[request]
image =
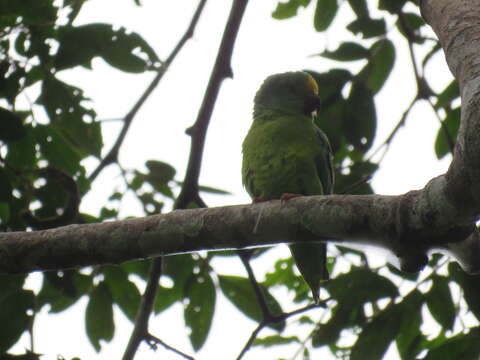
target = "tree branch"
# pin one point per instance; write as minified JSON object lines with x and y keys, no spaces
{"x":408,"y":225}
{"x":140,"y":330}
{"x":189,"y":192}
{"x":221,"y":70}
{"x":112,"y":155}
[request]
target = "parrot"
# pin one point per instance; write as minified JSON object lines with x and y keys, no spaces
{"x":286,"y":155}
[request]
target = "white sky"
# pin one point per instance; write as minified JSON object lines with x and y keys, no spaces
{"x":264,"y":46}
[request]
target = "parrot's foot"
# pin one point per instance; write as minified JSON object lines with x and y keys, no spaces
{"x":288,"y":196}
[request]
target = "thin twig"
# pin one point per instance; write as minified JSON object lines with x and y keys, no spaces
{"x":363,"y":180}
{"x":112,"y":155}
{"x":153,"y":341}
{"x":397,"y":127}
{"x":251,"y":339}
{"x":221,"y":70}
{"x":140,"y":330}
{"x":262,"y":302}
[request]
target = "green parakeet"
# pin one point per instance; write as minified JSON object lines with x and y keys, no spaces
{"x":284,"y":154}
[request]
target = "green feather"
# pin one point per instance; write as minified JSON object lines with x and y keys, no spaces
{"x":284,"y":152}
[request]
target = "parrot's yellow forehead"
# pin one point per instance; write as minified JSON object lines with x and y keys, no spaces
{"x":312,"y":84}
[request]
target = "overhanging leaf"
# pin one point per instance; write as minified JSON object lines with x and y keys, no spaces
{"x":440,"y":303}
{"x":360,"y":121}
{"x":11,"y":126}
{"x":199,"y":311}
{"x":240,"y":293}
{"x":126,"y":51}
{"x":99,"y":316}
{"x":377,"y":335}
{"x":13,"y":317}
{"x":382,"y":59}
{"x":124,"y":292}
{"x":368,"y":27}
{"x":324,"y":14}
{"x":462,"y":346}
{"x":347,"y":51}
{"x":285,"y":10}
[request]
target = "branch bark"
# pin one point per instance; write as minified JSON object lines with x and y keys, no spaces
{"x":406,"y":225}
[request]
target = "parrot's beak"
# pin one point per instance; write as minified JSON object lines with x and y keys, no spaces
{"x":312,"y":105}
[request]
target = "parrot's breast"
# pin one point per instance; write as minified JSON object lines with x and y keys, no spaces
{"x":279,"y":157}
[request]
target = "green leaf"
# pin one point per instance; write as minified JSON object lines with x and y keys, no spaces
{"x":62,"y":295}
{"x":99,"y":316}
{"x":412,"y":21}
{"x":179,"y":269}
{"x":382,"y":59}
{"x":324,"y":14}
{"x":125,"y":51}
{"x":347,"y":51}
{"x":284,"y":274}
{"x":451,"y":124}
{"x":469,"y":285}
{"x":65,"y":108}
{"x":346,"y":314}
{"x":285,"y":10}
{"x":409,"y":337}
{"x":368,"y":27}
{"x":10,"y":284}
{"x":21,"y":153}
{"x":446,"y":97}
{"x":11,"y":126}
{"x":124,"y":292}
{"x":4,"y":212}
{"x":273,"y":340}
{"x":360,"y":8}
{"x":376,"y":336}
{"x":14,"y":317}
{"x":367,"y":286}
{"x":241,"y":294}
{"x":5,"y":186}
{"x":462,"y":346}
{"x":137,"y":267}
{"x":160,"y":171}
{"x":59,"y":152}
{"x":198,"y":313}
{"x":360,"y":121}
{"x":392,"y":6}
{"x":440,"y":303}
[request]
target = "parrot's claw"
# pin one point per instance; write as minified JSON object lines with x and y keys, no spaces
{"x":288,"y":196}
{"x":259,"y":199}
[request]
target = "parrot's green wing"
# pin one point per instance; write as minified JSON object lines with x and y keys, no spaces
{"x":311,"y":258}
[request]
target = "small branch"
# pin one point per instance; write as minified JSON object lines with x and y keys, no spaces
{"x":266,"y":314}
{"x":251,"y":339}
{"x":140,"y":330}
{"x":275,"y":319}
{"x":189,"y":191}
{"x":112,"y":155}
{"x":392,"y":134}
{"x":153,"y":341}
{"x":221,"y":70}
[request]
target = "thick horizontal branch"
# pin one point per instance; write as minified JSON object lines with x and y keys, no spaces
{"x":385,"y":221}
